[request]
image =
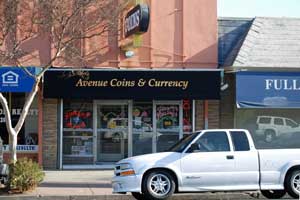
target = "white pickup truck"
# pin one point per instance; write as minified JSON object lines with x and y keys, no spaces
{"x":210,"y":160}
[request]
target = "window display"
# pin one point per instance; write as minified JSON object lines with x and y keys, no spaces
{"x":167,"y":124}
{"x":187,"y":116}
{"x":77,"y":132}
{"x":29,"y":132}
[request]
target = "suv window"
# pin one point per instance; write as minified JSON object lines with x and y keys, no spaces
{"x":213,"y":142}
{"x":278,"y":121}
{"x":264,"y":120}
{"x":240,"y":141}
{"x":291,"y":123}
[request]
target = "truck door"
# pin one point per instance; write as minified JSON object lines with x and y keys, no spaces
{"x":246,"y":173}
{"x":211,"y":165}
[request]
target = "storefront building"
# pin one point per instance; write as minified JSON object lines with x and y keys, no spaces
{"x":115,"y":114}
{"x":130,"y":102}
{"x":263,"y":83}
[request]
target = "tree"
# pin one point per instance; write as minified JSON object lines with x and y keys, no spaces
{"x":61,"y":24}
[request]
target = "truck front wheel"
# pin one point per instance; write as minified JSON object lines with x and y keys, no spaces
{"x":273,"y":194}
{"x":158,"y":185}
{"x":292,"y":183}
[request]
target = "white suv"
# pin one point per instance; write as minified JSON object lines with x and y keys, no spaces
{"x":273,"y":126}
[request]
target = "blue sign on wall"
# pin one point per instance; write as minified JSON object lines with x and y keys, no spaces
{"x":14,"y":79}
{"x":268,"y":89}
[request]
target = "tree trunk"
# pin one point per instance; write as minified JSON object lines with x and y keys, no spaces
{"x":13,"y":147}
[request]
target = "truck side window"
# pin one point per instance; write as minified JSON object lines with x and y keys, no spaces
{"x":240,"y":141}
{"x":213,"y":142}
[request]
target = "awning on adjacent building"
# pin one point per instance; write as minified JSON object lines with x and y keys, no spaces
{"x":133,"y":84}
{"x":268,"y":89}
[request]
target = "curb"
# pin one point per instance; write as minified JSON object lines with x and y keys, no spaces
{"x":201,"y":196}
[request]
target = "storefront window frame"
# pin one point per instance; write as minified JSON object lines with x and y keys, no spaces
{"x":95,"y":102}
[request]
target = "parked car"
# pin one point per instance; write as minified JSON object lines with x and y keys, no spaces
{"x":210,"y":160}
{"x":271,"y":127}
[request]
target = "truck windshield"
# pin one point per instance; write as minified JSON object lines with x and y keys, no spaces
{"x":183,"y":143}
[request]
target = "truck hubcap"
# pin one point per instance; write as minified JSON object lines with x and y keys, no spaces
{"x":296,"y":182}
{"x":160,"y":184}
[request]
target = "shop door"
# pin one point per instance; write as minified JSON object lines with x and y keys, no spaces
{"x":168,"y":124}
{"x":142,"y":128}
{"x":112,"y":131}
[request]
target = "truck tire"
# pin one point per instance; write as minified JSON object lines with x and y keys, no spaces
{"x":269,"y":135}
{"x":158,"y":185}
{"x":292,"y":183}
{"x":273,"y":194}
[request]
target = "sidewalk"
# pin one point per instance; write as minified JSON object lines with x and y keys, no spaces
{"x":96,"y":185}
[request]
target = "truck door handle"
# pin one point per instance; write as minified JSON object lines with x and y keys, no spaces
{"x":230,"y":157}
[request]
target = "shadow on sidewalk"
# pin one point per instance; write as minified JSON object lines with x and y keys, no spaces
{"x":76,"y":185}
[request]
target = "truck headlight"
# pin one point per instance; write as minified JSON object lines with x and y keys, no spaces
{"x":126,"y":169}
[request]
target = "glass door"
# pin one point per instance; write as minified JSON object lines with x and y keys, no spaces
{"x":112,"y":132}
{"x":168,"y":125}
{"x":142,"y":128}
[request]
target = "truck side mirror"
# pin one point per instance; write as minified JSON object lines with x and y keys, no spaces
{"x":194,"y":148}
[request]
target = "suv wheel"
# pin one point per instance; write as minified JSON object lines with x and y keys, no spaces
{"x":158,"y":185}
{"x":269,"y":135}
{"x":292,"y":183}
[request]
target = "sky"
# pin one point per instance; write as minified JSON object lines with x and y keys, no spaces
{"x":262,"y":8}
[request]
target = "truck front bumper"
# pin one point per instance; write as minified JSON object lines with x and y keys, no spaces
{"x":123,"y":184}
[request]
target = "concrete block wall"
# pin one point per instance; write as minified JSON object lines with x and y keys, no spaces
{"x":50,"y":123}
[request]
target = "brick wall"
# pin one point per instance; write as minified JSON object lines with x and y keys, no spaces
{"x":33,"y":156}
{"x":228,"y":103}
{"x":213,"y":114}
{"x":199,"y":112}
{"x":50,"y":129}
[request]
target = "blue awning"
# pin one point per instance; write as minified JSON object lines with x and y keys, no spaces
{"x":268,"y":89}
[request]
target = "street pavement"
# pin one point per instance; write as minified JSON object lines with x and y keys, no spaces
{"x":96,"y":185}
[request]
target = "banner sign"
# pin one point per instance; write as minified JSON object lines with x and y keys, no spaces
{"x":137,"y":20}
{"x":23,"y":148}
{"x":14,"y":79}
{"x":268,"y":89}
{"x":129,"y":84}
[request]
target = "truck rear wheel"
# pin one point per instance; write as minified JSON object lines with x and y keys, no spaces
{"x":273,"y":194}
{"x":292,"y":183}
{"x":158,"y":185}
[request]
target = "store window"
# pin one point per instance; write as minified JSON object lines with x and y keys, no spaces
{"x":77,"y":132}
{"x":271,"y":128}
{"x":29,"y":132}
{"x":142,"y":126}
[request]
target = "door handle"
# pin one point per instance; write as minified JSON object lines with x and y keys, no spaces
{"x":230,"y":157}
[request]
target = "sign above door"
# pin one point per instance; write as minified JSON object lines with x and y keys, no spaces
{"x":133,"y":84}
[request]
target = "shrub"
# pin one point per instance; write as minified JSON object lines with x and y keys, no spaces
{"x":25,"y":175}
